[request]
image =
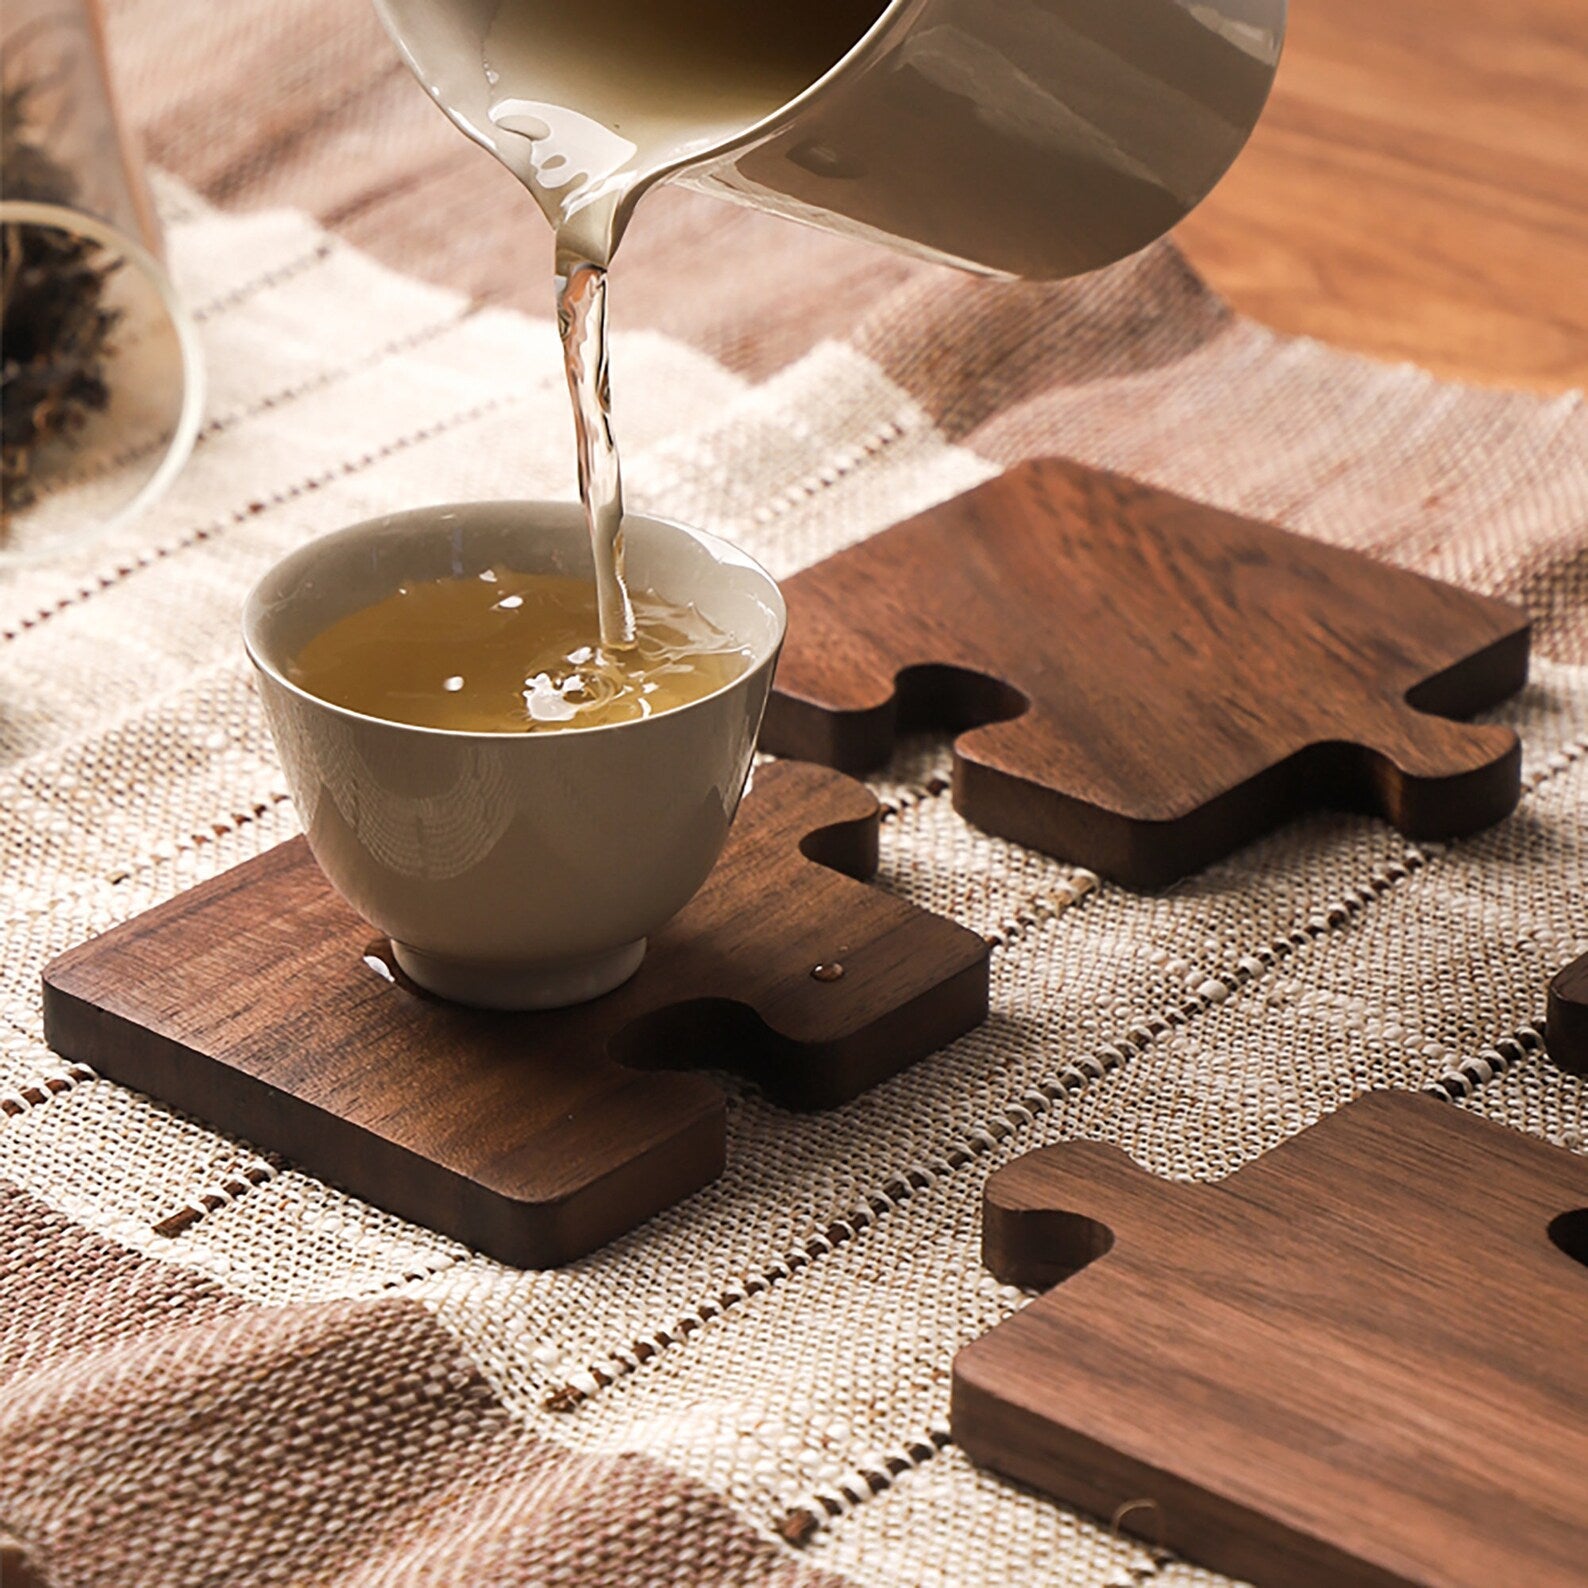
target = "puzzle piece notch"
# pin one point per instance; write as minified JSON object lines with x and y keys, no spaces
{"x":1356,"y":1363}
{"x":1141,"y":683}
{"x":250,"y":1002}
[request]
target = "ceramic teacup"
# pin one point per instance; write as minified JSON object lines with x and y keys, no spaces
{"x":513,"y":871}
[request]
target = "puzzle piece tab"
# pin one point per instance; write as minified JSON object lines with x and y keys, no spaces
{"x":1566,"y":1024}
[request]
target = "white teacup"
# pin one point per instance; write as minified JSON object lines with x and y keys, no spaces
{"x":513,"y":871}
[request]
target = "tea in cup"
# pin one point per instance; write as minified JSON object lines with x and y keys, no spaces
{"x":517,"y":809}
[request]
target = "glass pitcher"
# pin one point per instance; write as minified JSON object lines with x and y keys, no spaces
{"x":1034,"y":138}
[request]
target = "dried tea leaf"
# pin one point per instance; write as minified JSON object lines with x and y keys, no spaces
{"x":55,"y":326}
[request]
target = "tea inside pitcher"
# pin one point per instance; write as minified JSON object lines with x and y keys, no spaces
{"x":607,"y":96}
{"x":594,"y":103}
{"x":510,"y":652}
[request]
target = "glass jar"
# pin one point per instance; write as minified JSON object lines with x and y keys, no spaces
{"x":103,"y":380}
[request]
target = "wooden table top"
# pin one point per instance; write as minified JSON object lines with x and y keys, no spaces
{"x":1418,"y":188}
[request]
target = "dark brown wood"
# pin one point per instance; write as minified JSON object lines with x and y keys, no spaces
{"x":1142,"y":683}
{"x":1357,"y":1363}
{"x":258,"y":1002}
{"x":1566,"y":1021}
{"x":16,"y":1571}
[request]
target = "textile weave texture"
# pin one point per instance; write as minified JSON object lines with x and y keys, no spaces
{"x":218,"y":1369}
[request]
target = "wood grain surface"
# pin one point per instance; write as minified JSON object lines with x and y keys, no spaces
{"x":1418,"y":188}
{"x":257,"y":1002}
{"x":1144,"y":682}
{"x":1357,"y":1363}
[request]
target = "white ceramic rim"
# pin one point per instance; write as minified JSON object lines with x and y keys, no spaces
{"x":185,"y":432}
{"x":722,"y":551}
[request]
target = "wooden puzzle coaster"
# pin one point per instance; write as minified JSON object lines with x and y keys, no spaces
{"x":1142,"y":684}
{"x":258,"y":1002}
{"x":1566,"y":1020}
{"x":16,"y":1570}
{"x":1356,"y":1363}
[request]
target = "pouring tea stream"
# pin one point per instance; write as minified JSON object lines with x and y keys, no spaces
{"x":1040,"y":138}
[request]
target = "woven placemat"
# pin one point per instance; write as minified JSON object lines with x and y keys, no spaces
{"x":217,"y":1368}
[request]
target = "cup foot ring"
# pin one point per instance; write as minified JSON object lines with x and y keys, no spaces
{"x":553,"y":985}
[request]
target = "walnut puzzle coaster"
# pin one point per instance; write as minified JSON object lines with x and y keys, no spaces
{"x":1355,"y":1363}
{"x":1566,"y":1018}
{"x":1140,"y":683}
{"x":258,"y":1002}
